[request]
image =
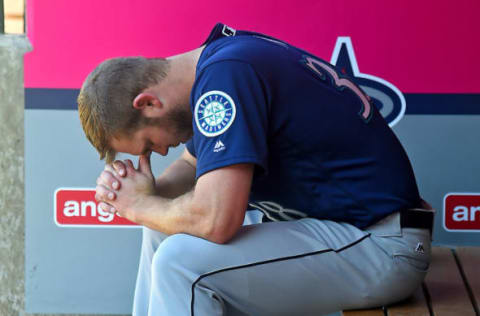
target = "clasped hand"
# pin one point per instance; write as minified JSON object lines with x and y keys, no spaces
{"x":122,"y":188}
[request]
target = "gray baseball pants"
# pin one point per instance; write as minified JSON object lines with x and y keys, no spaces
{"x":303,"y":267}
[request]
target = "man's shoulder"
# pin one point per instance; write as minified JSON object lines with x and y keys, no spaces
{"x":251,"y":50}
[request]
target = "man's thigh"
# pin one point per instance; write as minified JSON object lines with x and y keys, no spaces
{"x":306,"y":267}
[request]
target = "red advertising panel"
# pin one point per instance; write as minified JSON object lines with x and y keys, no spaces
{"x":462,"y":212}
{"x":76,"y":207}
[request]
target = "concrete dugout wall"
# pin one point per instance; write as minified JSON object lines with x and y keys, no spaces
{"x":12,"y":49}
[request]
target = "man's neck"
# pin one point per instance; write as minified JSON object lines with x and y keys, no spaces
{"x":177,"y":85}
{"x":183,"y":67}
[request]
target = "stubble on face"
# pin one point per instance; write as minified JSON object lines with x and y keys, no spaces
{"x":176,"y":125}
{"x":179,"y":120}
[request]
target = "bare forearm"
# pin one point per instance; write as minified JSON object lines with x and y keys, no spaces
{"x":176,"y":180}
{"x":173,"y":216}
{"x":212,"y":209}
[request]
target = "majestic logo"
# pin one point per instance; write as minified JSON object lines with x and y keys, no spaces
{"x":214,"y":113}
{"x":384,"y":95}
{"x":461,"y":212}
{"x":419,"y":248}
{"x":219,"y":146}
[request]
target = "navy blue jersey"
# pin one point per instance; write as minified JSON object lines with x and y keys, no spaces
{"x":319,"y":146}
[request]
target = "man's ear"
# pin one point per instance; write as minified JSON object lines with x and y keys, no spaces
{"x":144,"y":100}
{"x":147,"y":103}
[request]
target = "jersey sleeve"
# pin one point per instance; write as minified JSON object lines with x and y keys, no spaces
{"x":229,"y":117}
{"x":191,"y":148}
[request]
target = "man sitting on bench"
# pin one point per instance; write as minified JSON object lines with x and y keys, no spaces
{"x":271,"y":127}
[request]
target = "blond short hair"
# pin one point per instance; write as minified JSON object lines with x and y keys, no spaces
{"x":106,"y":98}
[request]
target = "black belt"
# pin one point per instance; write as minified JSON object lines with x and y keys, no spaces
{"x":417,"y":218}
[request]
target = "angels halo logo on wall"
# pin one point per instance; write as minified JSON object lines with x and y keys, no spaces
{"x":214,"y":113}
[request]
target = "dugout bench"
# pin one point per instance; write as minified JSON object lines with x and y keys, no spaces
{"x":451,"y":287}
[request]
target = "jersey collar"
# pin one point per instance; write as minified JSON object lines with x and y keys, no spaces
{"x":219,"y":31}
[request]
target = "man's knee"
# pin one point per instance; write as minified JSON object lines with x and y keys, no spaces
{"x":152,"y":238}
{"x":177,"y":253}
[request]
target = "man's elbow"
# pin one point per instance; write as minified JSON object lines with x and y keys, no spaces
{"x":220,"y":236}
{"x":222,"y":232}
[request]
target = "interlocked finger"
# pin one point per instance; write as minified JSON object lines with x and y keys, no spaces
{"x":102,"y":193}
{"x":108,"y":179}
{"x":107,"y":208}
{"x":119,"y":167}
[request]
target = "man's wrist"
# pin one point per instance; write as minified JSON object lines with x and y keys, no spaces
{"x":146,"y":207}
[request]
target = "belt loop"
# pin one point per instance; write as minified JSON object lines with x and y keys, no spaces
{"x":387,"y":227}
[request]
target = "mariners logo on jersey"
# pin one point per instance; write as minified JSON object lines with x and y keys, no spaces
{"x":214,"y":113}
{"x":385,"y":96}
